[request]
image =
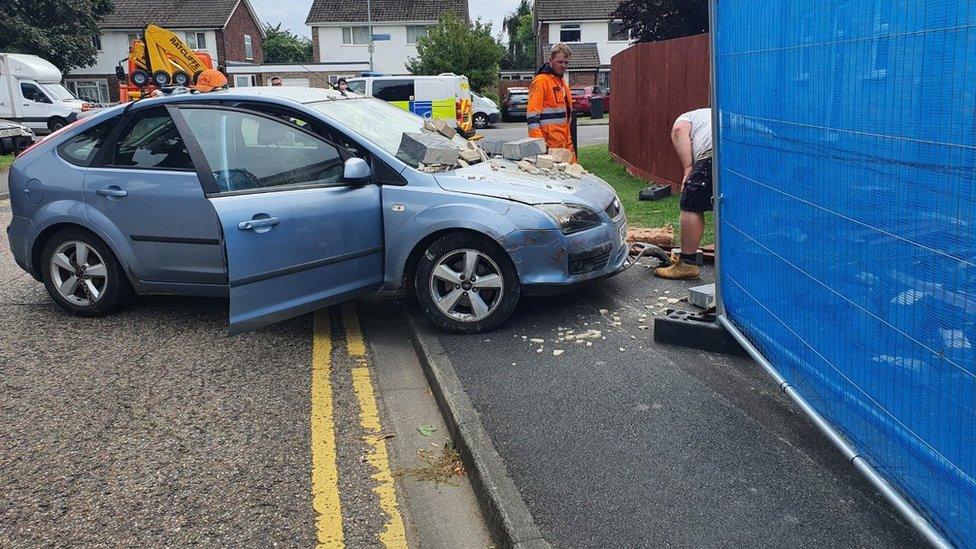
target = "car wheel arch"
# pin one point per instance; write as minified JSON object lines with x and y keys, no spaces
{"x":413,"y":259}
{"x":49,"y":231}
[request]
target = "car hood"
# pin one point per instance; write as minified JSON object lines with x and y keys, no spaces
{"x":510,"y":183}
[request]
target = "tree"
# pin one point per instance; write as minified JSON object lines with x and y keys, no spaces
{"x":456,"y":46}
{"x":281,"y":46}
{"x":57,"y":30}
{"x":521,"y":38}
{"x":654,"y":20}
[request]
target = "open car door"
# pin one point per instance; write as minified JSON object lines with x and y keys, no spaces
{"x":298,"y":234}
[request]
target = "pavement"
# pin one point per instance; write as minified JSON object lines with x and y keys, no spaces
{"x":627,"y":443}
{"x":152,"y":427}
{"x":588,"y":134}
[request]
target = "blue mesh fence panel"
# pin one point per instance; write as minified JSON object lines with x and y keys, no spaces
{"x":848,"y":248}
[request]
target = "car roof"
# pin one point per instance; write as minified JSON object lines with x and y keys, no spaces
{"x":286,"y":93}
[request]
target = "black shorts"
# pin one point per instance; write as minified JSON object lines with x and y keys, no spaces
{"x":697,"y":196}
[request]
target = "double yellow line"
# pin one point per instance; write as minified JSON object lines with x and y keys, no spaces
{"x":325,"y":473}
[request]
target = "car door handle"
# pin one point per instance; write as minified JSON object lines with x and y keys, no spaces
{"x":113,"y":191}
{"x":251,"y":224}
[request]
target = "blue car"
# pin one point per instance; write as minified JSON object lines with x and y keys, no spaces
{"x":287,"y":200}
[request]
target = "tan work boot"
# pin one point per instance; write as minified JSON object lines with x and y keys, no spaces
{"x":680,"y":270}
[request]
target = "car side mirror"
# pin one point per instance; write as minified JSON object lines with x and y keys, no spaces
{"x":355,"y":170}
{"x":120,"y":73}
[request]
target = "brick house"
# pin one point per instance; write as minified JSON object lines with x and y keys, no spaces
{"x":340,"y":30}
{"x":588,"y":29}
{"x":229,"y":30}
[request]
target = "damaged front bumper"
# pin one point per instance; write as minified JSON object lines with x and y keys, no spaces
{"x":551,"y":263}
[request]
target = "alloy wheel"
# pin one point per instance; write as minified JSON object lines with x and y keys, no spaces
{"x":467,"y":285}
{"x":79,"y":273}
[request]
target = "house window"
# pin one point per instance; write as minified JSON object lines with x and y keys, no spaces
{"x":97,"y":42}
{"x":355,"y":36}
{"x":243,"y":80}
{"x":414,"y":32}
{"x":617,"y":31}
{"x":570,"y":32}
{"x":93,"y":91}
{"x":131,"y":37}
{"x":248,"y":50}
{"x":198,"y":40}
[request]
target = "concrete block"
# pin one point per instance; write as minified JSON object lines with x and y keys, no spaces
{"x":697,"y":332}
{"x":444,"y":128}
{"x":469,"y":155}
{"x":459,"y":142}
{"x":530,"y":146}
{"x":428,"y":148}
{"x":561,"y":155}
{"x":702,"y":296}
{"x":527,"y":166}
{"x":575,"y":170}
{"x":545,"y":161}
{"x":492,"y":146}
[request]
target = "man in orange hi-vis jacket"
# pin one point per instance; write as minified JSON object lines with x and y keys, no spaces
{"x":550,"y":109}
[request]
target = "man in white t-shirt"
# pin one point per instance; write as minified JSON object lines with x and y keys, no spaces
{"x":692,"y":138}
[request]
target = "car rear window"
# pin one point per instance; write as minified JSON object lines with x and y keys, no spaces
{"x":82,"y":148}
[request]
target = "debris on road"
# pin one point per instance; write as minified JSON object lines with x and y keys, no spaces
{"x":557,"y":352}
{"x":426,"y":430}
{"x":444,"y":467}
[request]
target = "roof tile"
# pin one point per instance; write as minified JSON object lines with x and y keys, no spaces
{"x":354,"y":11}
{"x":201,"y":14}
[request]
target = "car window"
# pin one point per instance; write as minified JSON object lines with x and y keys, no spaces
{"x":151,"y":141}
{"x":248,"y":151}
{"x":33,"y":93}
{"x":372,"y":120}
{"x":357,"y":86}
{"x":393,"y":90}
{"x":81,"y":149}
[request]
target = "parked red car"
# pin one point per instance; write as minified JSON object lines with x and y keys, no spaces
{"x":581,"y":98}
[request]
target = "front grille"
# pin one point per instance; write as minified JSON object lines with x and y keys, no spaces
{"x":589,"y":260}
{"x":613,"y":210}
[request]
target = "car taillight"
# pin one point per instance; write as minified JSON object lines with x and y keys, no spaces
{"x":49,"y":136}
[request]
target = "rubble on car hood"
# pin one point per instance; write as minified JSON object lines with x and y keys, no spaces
{"x":501,"y":178}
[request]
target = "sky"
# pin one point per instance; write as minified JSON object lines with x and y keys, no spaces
{"x":292,"y":13}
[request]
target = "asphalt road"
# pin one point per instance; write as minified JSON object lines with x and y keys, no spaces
{"x":152,"y":427}
{"x":626,"y":443}
{"x":588,"y":135}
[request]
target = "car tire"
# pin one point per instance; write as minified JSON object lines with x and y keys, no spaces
{"x":481,"y":120}
{"x":55,"y":123}
{"x":471,"y":306}
{"x":105,"y":274}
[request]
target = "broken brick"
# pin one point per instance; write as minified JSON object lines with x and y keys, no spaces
{"x":530,"y":146}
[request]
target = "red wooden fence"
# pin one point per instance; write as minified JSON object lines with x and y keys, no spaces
{"x":652,"y":84}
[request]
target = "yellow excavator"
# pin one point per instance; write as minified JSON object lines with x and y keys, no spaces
{"x":160,"y":59}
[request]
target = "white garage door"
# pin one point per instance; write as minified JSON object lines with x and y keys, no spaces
{"x":300,"y":82}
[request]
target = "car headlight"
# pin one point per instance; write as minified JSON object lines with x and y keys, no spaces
{"x":571,"y":218}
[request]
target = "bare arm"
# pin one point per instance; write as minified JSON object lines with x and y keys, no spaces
{"x":681,"y":137}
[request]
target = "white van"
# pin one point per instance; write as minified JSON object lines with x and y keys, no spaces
{"x":31,"y":93}
{"x":485,"y":110}
{"x":446,"y":96}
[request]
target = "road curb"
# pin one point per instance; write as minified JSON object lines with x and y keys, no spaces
{"x":506,"y":514}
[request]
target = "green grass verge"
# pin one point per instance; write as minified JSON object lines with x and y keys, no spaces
{"x":5,"y":161}
{"x":650,"y":213}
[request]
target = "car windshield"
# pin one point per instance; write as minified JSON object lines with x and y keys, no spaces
{"x":376,"y":121}
{"x":59,"y":92}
